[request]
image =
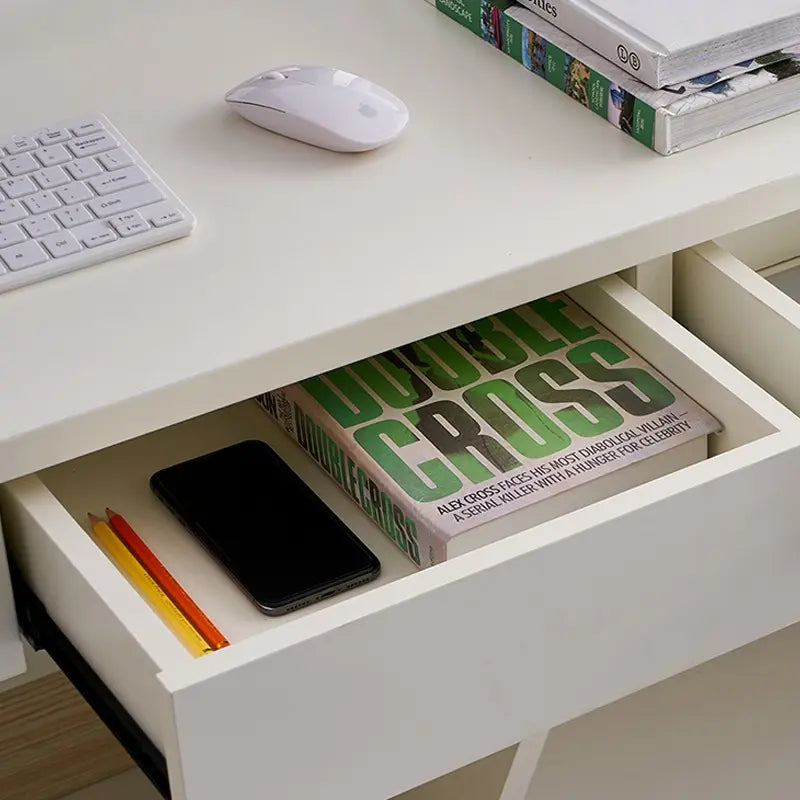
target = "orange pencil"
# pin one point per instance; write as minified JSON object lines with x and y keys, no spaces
{"x":147,"y":586}
{"x":161,"y":575}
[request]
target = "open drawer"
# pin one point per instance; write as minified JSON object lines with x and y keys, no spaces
{"x":381,"y":689}
{"x":742,"y":315}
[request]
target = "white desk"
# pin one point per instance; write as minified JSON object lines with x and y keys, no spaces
{"x":304,"y":259}
{"x":502,"y":190}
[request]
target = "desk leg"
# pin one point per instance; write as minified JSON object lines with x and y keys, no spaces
{"x":518,"y":785}
{"x":654,"y":280}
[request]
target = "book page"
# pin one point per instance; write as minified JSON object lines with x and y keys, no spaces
{"x":680,"y":24}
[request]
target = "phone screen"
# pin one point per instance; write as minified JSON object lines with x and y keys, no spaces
{"x":275,"y":537}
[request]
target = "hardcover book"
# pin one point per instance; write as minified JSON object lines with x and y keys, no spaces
{"x":464,"y":437}
{"x":667,"y":120}
{"x":667,"y":42}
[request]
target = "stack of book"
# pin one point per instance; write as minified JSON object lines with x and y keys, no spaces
{"x":672,"y":75}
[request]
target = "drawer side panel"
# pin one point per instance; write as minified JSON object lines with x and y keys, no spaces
{"x":12,"y":660}
{"x":742,"y":316}
{"x":92,"y":604}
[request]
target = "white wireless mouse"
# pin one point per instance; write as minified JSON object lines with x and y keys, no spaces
{"x":323,"y":106}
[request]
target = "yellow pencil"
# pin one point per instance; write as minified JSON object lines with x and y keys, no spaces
{"x":141,"y":579}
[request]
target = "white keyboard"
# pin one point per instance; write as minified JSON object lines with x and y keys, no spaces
{"x":76,"y":193}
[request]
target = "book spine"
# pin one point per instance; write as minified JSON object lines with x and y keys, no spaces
{"x":638,"y":58}
{"x":590,"y":88}
{"x":334,"y":455}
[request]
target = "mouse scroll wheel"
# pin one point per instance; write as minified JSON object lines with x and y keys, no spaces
{"x":274,"y":76}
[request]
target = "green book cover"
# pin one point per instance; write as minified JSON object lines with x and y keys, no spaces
{"x":560,"y":60}
{"x":480,"y":16}
{"x":442,"y":435}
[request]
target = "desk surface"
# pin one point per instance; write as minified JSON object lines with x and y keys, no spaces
{"x":501,"y":190}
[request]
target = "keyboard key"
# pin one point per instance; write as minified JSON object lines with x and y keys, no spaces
{"x":83,"y":168}
{"x":96,"y":239}
{"x":75,"y":192}
{"x":166,"y":218}
{"x":19,"y":165}
{"x":70,"y":217}
{"x":19,"y":144}
{"x":129,"y":224}
{"x":114,"y":159}
{"x":132,"y":228}
{"x":110,"y":182}
{"x":40,"y":226}
{"x":11,"y":211}
{"x":18,"y":187}
{"x":62,"y":243}
{"x":91,"y":144}
{"x":125,"y":200}
{"x":53,"y":135}
{"x":24,"y":255}
{"x":51,"y":177}
{"x":41,"y":202}
{"x":11,"y":234}
{"x":89,"y":126}
{"x":52,"y":155}
{"x":124,"y":219}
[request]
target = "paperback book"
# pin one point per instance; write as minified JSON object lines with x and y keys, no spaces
{"x":464,"y":437}
{"x":667,"y":120}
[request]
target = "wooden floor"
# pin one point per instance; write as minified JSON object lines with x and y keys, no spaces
{"x":131,"y":785}
{"x":51,"y":742}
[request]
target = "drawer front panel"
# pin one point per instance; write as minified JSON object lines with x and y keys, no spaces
{"x":430,"y":684}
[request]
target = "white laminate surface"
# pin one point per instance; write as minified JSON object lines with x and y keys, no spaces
{"x":727,"y":730}
{"x":501,"y":189}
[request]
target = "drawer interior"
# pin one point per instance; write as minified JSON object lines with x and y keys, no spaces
{"x":118,"y":476}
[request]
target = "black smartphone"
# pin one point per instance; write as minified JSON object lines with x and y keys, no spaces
{"x":283,"y":546}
